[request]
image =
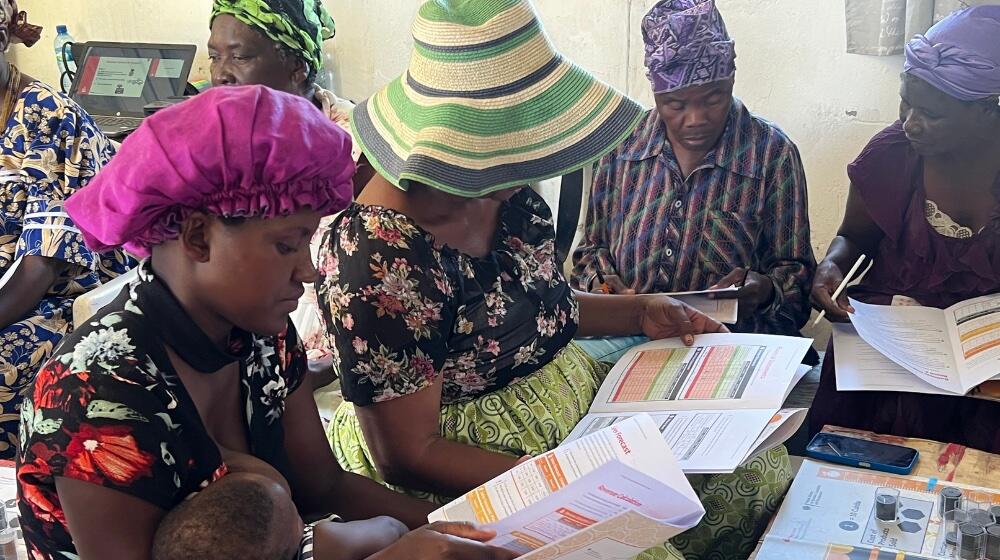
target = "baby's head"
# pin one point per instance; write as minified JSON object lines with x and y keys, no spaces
{"x":243,"y":515}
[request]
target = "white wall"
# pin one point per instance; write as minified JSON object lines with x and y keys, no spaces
{"x":149,"y":21}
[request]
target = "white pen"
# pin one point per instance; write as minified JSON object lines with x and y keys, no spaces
{"x":840,"y":288}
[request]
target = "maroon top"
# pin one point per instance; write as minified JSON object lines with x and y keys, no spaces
{"x":914,"y":260}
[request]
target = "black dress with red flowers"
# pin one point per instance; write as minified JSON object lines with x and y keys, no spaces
{"x":108,"y":408}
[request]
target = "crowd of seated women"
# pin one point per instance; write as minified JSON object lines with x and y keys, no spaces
{"x":277,"y":231}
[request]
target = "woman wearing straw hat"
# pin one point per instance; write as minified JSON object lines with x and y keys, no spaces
{"x":439,"y":288}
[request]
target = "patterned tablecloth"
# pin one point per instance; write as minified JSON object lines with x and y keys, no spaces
{"x":945,"y":461}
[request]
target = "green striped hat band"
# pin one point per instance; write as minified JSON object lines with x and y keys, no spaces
{"x":487,"y":104}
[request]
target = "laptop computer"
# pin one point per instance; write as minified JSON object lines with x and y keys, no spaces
{"x":114,"y":81}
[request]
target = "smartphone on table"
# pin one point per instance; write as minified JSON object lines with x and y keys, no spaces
{"x":862,"y":453}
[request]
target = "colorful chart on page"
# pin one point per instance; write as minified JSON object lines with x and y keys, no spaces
{"x":695,"y":373}
{"x":978,"y":327}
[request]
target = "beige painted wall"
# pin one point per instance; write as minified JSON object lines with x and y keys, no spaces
{"x":171,"y":21}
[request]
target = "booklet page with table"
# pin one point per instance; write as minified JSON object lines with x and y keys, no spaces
{"x":953,"y":349}
{"x":717,"y":403}
{"x":607,"y":496}
{"x":860,"y":367}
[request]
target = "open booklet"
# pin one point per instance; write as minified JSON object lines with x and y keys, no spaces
{"x":717,"y":403}
{"x":829,"y":513}
{"x":608,"y":496}
{"x":860,"y":367}
{"x":953,"y":349}
{"x":723,"y":310}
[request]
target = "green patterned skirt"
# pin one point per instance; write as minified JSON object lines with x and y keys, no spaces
{"x":535,"y":414}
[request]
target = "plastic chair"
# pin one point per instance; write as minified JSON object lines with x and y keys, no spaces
{"x":88,"y":304}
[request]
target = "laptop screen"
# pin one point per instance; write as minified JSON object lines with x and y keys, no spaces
{"x":120,"y":79}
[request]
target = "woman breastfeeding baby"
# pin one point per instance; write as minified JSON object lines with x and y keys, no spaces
{"x":176,"y":422}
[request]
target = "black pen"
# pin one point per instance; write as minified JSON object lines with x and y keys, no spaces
{"x":746,"y":274}
{"x":604,"y":285}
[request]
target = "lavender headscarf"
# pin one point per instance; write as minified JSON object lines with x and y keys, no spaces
{"x":686,"y":45}
{"x":960,"y":55}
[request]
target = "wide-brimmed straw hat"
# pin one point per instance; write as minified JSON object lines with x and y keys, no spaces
{"x":487,"y":104}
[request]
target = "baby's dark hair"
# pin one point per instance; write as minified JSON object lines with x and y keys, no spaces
{"x":234,"y":518}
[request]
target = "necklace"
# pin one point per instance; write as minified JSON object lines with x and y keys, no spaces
{"x":10,"y":94}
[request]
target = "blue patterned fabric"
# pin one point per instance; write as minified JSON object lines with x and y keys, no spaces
{"x":50,"y":149}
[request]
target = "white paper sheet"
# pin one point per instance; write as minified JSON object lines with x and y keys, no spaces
{"x":954,"y":349}
{"x":780,"y":427}
{"x":620,"y":481}
{"x":800,"y":372}
{"x":860,"y":367}
{"x":720,"y":372}
{"x":913,"y":337}
{"x":716,"y":403}
{"x":635,"y":442}
{"x":724,"y":310}
{"x":710,"y":441}
{"x":602,"y":495}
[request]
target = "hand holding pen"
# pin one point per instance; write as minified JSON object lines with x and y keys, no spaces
{"x":609,"y":284}
{"x":828,"y":290}
{"x":602,"y":283}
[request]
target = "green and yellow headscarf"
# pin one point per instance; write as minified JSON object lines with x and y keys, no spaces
{"x":300,"y":25}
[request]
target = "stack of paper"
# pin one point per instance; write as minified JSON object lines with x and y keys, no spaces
{"x":717,"y":403}
{"x":949,"y":351}
{"x":607,"y":496}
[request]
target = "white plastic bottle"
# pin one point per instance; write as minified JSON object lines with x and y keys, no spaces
{"x":62,"y":38}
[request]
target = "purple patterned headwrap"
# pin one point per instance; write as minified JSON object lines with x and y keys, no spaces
{"x":960,"y":55}
{"x":686,"y":45}
{"x":244,"y":151}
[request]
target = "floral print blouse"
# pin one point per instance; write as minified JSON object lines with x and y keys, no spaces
{"x":109,"y":409}
{"x":402,"y":310}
